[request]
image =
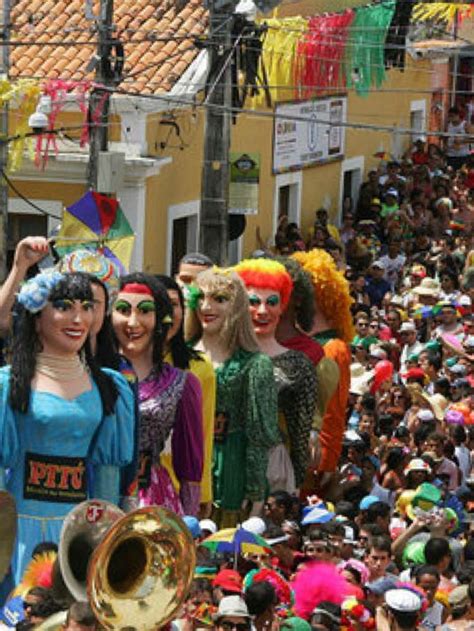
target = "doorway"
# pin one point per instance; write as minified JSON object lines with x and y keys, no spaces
{"x":417,"y":119}
{"x":287,"y":198}
{"x":352,"y":173}
{"x":182,"y":235}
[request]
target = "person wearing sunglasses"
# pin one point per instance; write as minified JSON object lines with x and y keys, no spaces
{"x":232,"y":615}
{"x":317,"y":547}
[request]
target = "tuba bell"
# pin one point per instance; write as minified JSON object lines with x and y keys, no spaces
{"x":140,"y":573}
{"x":82,"y":531}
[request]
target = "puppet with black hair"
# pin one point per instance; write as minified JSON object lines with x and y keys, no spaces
{"x":170,"y":429}
{"x":179,"y":354}
{"x":60,"y":413}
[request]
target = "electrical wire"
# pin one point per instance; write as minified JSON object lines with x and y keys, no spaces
{"x":287,"y":117}
{"x":25,"y":199}
{"x":79,"y":73}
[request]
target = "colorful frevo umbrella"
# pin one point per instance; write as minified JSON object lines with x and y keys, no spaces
{"x":97,"y":222}
{"x":236,"y":541}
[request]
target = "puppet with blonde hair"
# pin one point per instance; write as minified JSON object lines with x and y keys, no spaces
{"x":269,"y":288}
{"x":332,"y":327}
{"x":246,"y":428}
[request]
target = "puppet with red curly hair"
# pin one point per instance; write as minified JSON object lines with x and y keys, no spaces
{"x":333,"y":328}
{"x":269,"y":288}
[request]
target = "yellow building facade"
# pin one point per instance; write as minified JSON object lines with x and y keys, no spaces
{"x":161,"y":180}
{"x":173,"y":196}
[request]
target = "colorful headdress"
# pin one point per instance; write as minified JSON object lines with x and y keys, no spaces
{"x":38,"y":573}
{"x":283,"y":590}
{"x":316,"y":582}
{"x":331,"y":290}
{"x":266,"y":274}
{"x":356,"y":616}
{"x":35,"y":293}
{"x":204,"y":614}
{"x":358,"y":566}
{"x":94,"y":263}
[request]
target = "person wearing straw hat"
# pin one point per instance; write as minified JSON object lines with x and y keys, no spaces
{"x":232,"y":615}
{"x":427,"y":292}
{"x":360,"y":379}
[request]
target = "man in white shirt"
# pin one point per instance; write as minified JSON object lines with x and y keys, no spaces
{"x":410,"y":344}
{"x":462,"y":452}
{"x":394,"y":262}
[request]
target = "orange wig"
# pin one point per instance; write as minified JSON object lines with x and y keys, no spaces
{"x":266,"y":274}
{"x":331,"y":290}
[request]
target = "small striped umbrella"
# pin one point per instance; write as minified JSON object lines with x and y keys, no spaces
{"x":237,"y":541}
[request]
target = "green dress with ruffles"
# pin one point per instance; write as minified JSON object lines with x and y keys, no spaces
{"x":246,"y":428}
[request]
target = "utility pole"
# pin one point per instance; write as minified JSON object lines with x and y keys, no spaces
{"x":98,"y":131}
{"x":213,"y":224}
{"x":5,"y":62}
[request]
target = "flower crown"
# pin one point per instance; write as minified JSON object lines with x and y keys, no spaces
{"x":354,"y":612}
{"x":35,"y":293}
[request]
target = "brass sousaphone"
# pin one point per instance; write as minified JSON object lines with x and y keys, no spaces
{"x":140,"y":573}
{"x":82,"y":531}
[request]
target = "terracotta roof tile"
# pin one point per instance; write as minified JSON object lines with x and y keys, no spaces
{"x":60,"y":34}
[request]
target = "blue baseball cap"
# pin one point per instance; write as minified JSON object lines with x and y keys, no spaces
{"x":381,"y":585}
{"x":367,"y":501}
{"x":193,"y":526}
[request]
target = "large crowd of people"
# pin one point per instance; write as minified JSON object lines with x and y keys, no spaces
{"x":317,"y":398}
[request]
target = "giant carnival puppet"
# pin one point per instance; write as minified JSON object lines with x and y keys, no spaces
{"x":61,"y":415}
{"x":333,"y":329}
{"x":246,"y":426}
{"x":179,"y":354}
{"x":269,"y":288}
{"x":298,"y":316}
{"x":170,"y":431}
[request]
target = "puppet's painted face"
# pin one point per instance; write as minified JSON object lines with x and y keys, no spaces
{"x":214,"y":307}
{"x":134,"y":320}
{"x":64,"y":324}
{"x":265,"y":310}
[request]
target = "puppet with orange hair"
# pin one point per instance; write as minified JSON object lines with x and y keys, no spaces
{"x":269,"y":288}
{"x":333,"y":329}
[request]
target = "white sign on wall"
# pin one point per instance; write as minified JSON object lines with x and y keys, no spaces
{"x":310,"y":135}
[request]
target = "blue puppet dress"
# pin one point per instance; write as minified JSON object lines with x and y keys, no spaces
{"x":48,"y":450}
